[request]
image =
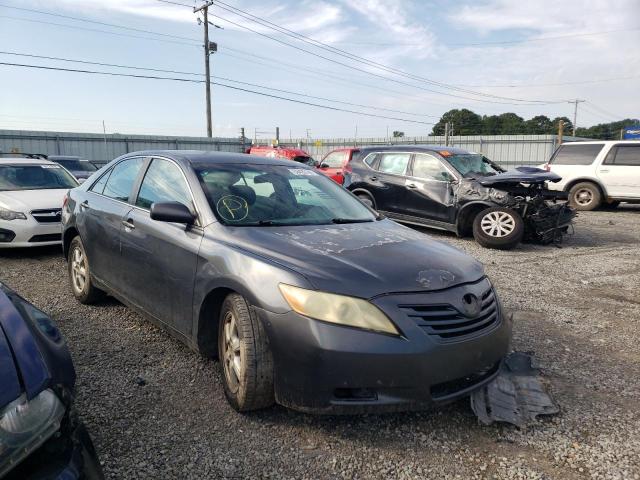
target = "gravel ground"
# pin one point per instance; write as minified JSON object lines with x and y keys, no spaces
{"x":577,"y":307}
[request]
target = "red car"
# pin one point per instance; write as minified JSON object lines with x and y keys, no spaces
{"x":295,"y":154}
{"x":336,"y":163}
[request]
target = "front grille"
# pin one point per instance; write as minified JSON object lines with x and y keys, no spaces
{"x":446,"y":322}
{"x":51,"y":215}
{"x":49,"y":237}
{"x":452,"y":387}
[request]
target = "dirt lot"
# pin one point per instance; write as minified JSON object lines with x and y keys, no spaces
{"x":576,"y":307}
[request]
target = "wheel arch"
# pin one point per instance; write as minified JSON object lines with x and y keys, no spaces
{"x":69,"y":234}
{"x":466,"y":215}
{"x":361,"y":191}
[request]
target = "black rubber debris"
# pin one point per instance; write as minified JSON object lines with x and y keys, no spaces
{"x":517,"y":395}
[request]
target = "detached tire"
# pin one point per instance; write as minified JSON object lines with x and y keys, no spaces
{"x":80,"y":274}
{"x":585,"y":196}
{"x":245,"y":356}
{"x":498,"y":227}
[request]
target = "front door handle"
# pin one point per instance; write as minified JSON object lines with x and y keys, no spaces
{"x":128,"y":224}
{"x":411,"y":185}
{"x":84,"y":205}
{"x":604,"y":171}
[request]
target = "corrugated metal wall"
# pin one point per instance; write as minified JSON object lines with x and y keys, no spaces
{"x":102,"y":148}
{"x":507,"y":150}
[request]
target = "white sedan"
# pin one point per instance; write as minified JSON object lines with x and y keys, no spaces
{"x":31,"y":196}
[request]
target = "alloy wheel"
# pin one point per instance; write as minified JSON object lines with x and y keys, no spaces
{"x":583,"y":197}
{"x":232,"y":356}
{"x":78,"y":270}
{"x":498,"y":224}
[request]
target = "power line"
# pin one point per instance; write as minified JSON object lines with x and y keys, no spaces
{"x":116,"y":65}
{"x":78,"y":19}
{"x":584,"y":82}
{"x":76,"y":27}
{"x":343,"y":53}
{"x":189,"y":80}
{"x":375,"y":74}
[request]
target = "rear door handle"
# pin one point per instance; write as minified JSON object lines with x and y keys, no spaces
{"x":84,"y":205}
{"x":128,"y":224}
{"x":604,"y":171}
{"x":411,"y":185}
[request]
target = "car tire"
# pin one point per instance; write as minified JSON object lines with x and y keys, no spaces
{"x":585,"y":196}
{"x":498,"y":227}
{"x":367,"y":200}
{"x":245,"y":356}
{"x":80,"y":279}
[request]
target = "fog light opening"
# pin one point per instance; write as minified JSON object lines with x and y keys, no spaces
{"x":355,"y":394}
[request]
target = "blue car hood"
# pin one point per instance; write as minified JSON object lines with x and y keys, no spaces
{"x":362,"y":259}
{"x":520,"y":175}
{"x":10,"y":388}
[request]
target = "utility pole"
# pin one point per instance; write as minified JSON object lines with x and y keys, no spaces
{"x":209,"y":47}
{"x":446,"y":134}
{"x":575,"y":113}
{"x":308,"y":130}
{"x":560,"y":131}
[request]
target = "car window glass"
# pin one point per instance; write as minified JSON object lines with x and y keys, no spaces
{"x":163,"y":182}
{"x":335,"y":159}
{"x":395,"y":163}
{"x":429,"y":168}
{"x":371,"y":159}
{"x":627,"y":155}
{"x":576,"y":154}
{"x":122,"y":178}
{"x":98,"y":187}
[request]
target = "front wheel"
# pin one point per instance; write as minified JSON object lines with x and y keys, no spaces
{"x":498,"y":227}
{"x":245,"y":356}
{"x":80,"y":274}
{"x":585,"y":196}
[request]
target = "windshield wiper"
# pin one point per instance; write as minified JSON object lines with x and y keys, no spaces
{"x":351,"y":220}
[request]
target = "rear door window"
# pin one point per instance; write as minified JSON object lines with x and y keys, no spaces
{"x":394,"y":163}
{"x":122,"y":178}
{"x":628,"y":155}
{"x":576,"y":154}
{"x":98,"y":187}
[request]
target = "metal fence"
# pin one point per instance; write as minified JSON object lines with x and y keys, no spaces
{"x":507,"y":150}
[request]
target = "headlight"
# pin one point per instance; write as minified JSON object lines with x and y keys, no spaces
{"x":27,"y":424}
{"x":10,"y":215}
{"x":328,"y":307}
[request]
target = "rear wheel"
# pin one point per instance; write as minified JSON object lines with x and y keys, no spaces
{"x":498,"y":227}
{"x":80,"y":274}
{"x":245,"y":356}
{"x":585,"y":196}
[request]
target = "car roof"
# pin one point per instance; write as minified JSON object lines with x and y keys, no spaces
{"x":600,"y":142}
{"x":412,"y":148}
{"x":199,"y":156}
{"x":24,"y":161}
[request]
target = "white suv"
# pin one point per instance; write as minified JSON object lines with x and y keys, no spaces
{"x":597,"y":173}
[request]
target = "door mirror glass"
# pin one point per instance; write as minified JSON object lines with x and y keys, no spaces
{"x":324,"y":165}
{"x":174,"y":212}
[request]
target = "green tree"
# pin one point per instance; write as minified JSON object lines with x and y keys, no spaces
{"x":398,"y":134}
{"x":511,"y":124}
{"x":538,"y":125}
{"x":606,"y":131}
{"x":464,"y":122}
{"x":568,"y":125}
{"x":491,"y":125}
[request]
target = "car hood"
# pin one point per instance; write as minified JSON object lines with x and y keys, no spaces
{"x":363,"y":259}
{"x":27,"y":200}
{"x":8,"y":373}
{"x":520,"y":175}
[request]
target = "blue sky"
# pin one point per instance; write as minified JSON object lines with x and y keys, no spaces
{"x":456,"y":44}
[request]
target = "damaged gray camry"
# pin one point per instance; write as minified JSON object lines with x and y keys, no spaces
{"x":308,"y":298}
{"x":452,"y":189}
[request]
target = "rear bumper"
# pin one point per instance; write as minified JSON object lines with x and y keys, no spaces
{"x":28,"y":233}
{"x":325,"y":368}
{"x":68,"y":455}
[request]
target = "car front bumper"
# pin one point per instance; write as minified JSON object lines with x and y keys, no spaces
{"x":326,"y":368}
{"x":29,"y":233}
{"x":69,"y":454}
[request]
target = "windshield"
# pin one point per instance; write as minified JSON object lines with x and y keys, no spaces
{"x":473,"y":165}
{"x":277,"y":195}
{"x":34,"y":177}
{"x":77,"y":165}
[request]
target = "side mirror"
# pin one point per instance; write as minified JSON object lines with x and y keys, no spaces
{"x":174,"y":212}
{"x":323,"y":165}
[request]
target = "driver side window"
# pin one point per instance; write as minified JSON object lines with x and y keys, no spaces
{"x":429,"y":168}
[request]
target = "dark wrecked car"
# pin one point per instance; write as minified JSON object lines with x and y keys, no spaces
{"x":307,"y":297}
{"x":452,"y":189}
{"x":39,"y":434}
